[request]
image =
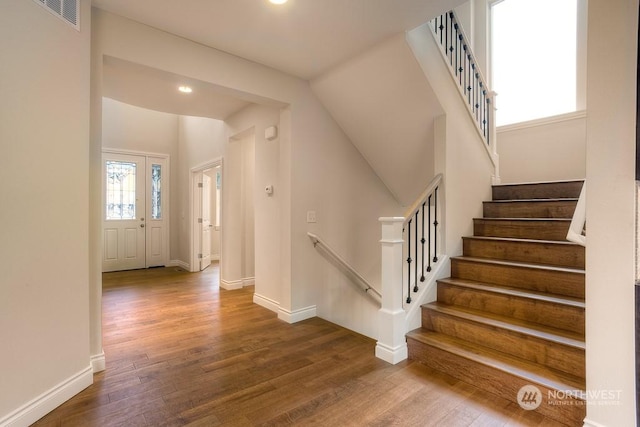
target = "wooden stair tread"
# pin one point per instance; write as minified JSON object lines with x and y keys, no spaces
{"x":523,"y":219}
{"x":528,"y":371}
{"x":520,"y":264}
{"x":524,"y":228}
{"x":559,"y":199}
{"x":516,"y":292}
{"x":515,"y":239}
{"x":543,"y":332}
{"x":560,"y":181}
{"x":513,"y":311}
{"x":530,"y":249}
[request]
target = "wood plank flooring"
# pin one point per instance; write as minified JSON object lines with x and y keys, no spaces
{"x":181,"y":351}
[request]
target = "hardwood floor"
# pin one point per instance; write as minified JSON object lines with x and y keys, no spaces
{"x":180,"y":351}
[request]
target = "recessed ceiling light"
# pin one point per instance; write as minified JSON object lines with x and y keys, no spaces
{"x":185,"y":89}
{"x":278,"y":1}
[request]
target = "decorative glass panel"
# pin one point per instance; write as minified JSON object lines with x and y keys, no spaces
{"x":121,"y":190}
{"x":156,"y":192}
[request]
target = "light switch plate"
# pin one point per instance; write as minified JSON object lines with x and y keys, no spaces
{"x":311,"y":216}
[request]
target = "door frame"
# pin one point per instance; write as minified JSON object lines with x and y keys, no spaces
{"x":166,"y":194}
{"x":194,"y":265}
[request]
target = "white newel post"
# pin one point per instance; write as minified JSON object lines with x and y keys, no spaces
{"x":392,"y":345}
{"x":493,"y":132}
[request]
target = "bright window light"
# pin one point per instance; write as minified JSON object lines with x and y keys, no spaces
{"x":533,"y":58}
{"x":278,"y":1}
{"x":185,"y":89}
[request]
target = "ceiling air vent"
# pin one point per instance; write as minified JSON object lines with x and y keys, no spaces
{"x":63,"y":9}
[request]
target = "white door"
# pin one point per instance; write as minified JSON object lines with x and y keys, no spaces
{"x":205,"y":239}
{"x":135,"y":217}
{"x":124,"y":212}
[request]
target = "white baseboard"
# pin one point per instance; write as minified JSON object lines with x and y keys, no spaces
{"x":98,"y":362}
{"x":391,"y":355}
{"x":265,"y":302}
{"x":32,"y":411}
{"x":588,"y":423}
{"x":231,"y":285}
{"x":179,"y":263}
{"x":296,"y":315}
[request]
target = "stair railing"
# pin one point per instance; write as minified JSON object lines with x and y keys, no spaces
{"x":421,"y":234}
{"x":410,"y":250}
{"x":577,"y":231}
{"x":346,"y":268}
{"x":466,"y":73}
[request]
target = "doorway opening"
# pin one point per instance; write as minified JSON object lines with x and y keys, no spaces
{"x":206,"y":218}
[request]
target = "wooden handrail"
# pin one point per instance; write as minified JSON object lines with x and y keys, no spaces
{"x":435,"y":182}
{"x":575,"y":233}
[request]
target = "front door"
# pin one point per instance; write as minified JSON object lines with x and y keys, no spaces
{"x":124,"y":212}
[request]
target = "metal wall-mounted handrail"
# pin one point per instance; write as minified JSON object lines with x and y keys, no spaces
{"x":369,"y":290}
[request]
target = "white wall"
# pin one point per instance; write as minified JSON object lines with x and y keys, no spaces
{"x":255,"y":119}
{"x":127,"y":127}
{"x":200,"y":140}
{"x":44,"y":170}
{"x":611,"y":133}
{"x":311,"y":146}
{"x":460,"y":153}
{"x":545,"y":150}
{"x":386,"y":107}
{"x":330,"y":177}
{"x":238,"y":219}
{"x":189,"y":141}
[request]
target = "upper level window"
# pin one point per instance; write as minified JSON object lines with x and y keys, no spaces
{"x":533,"y":58}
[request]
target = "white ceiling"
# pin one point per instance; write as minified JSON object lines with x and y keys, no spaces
{"x":304,"y":38}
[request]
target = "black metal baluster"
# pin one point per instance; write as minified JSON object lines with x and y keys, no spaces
{"x":422,"y":241}
{"x":415,"y":283}
{"x":435,"y":225}
{"x":455,"y":26}
{"x":473,"y":87}
{"x":477,"y":103}
{"x":409,"y":264}
{"x":451,"y":23}
{"x":429,"y":236}
{"x":461,"y":59}
{"x":441,"y":28}
{"x":484,"y":113}
{"x":446,"y":33}
{"x":470,"y":70}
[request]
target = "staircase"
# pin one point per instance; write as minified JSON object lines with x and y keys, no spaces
{"x":512,"y":312}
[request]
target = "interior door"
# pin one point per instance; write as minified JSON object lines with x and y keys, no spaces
{"x":124,"y":212}
{"x":205,"y":240}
